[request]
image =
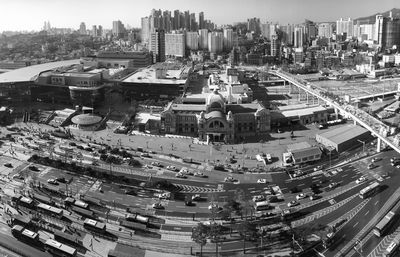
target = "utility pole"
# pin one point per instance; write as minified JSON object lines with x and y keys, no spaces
{"x":363,"y":142}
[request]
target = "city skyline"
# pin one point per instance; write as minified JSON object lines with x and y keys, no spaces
{"x":26,"y":15}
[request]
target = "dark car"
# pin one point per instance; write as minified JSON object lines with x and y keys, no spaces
{"x":8,"y":165}
{"x":189,"y":203}
{"x":61,"y":180}
{"x":130,"y":192}
{"x":33,"y":168}
{"x":294,"y":190}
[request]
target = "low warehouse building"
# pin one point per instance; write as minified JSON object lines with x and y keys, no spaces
{"x":343,"y":138}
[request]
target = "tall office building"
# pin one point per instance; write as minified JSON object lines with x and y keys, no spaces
{"x":118,"y":29}
{"x":82,"y":28}
{"x":228,"y":39}
{"x":193,"y":23}
{"x":192,"y":40}
{"x":157,"y":45}
{"x":380,"y":23}
{"x":175,"y":44}
{"x":325,"y":29}
{"x":203,"y":39}
{"x":345,"y":26}
{"x":265,"y":30}
{"x":166,"y":21}
{"x":201,"y":20}
{"x":310,"y":30}
{"x":392,"y":32}
{"x":215,"y":42}
{"x":145,"y":30}
{"x":298,"y":36}
{"x":100,"y":31}
{"x":94,"y":31}
{"x":253,"y":25}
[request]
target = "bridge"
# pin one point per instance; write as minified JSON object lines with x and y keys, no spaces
{"x":375,"y":126}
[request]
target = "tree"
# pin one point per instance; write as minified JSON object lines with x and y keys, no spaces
{"x":248,"y":230}
{"x":199,"y":235}
{"x":233,"y":206}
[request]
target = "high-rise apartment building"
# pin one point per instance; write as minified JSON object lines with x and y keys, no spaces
{"x":201,"y":20}
{"x":82,"y":28}
{"x":94,"y":31}
{"x":215,"y":42}
{"x":187,"y":20}
{"x":380,"y":24}
{"x":228,"y":39}
{"x":274,"y":46}
{"x":265,"y":30}
{"x":325,"y":29}
{"x":345,"y":26}
{"x":157,"y":45}
{"x":203,"y":39}
{"x":177,"y":20}
{"x":192,"y":40}
{"x":368,"y":30}
{"x":175,"y":44}
{"x":392,"y":32}
{"x":100,"y":31}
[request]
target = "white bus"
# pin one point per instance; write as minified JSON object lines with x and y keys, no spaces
{"x":262,"y":206}
{"x":391,"y":249}
{"x":369,"y":190}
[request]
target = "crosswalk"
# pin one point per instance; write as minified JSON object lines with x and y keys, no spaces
{"x":196,"y":189}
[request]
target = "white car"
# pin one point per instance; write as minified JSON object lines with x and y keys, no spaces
{"x":180,"y":175}
{"x":196,"y":197}
{"x":262,"y":181}
{"x":157,"y":206}
{"x":318,"y":168}
{"x":229,"y":179}
{"x":172,"y":168}
{"x":165,"y":196}
{"x":360,"y":180}
{"x":376,"y":159}
{"x":213,"y":206}
{"x":293,"y":203}
{"x":200,"y":175}
{"x":301,"y":196}
{"x":379,"y":178}
{"x":259,"y":198}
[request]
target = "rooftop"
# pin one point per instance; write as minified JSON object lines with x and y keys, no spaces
{"x":306,"y":152}
{"x":303,"y":112}
{"x":86,"y":119}
{"x":343,"y":134}
{"x":148,"y":75}
{"x":29,"y":73}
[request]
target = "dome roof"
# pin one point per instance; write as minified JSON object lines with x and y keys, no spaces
{"x":86,"y":119}
{"x":216,"y":98}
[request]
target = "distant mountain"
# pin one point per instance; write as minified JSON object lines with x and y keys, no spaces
{"x":371,"y":19}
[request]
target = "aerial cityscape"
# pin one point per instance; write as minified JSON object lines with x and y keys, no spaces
{"x":217,"y":130}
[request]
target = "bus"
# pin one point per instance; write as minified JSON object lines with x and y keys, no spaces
{"x":42,"y":199}
{"x":382,"y":226}
{"x":24,"y":234}
{"x":94,"y":225}
{"x":49,"y":210}
{"x":369,"y":190}
{"x":391,"y":249}
{"x":262,"y":206}
{"x":137,"y":218}
{"x":58,"y":249}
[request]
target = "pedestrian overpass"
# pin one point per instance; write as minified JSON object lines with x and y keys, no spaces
{"x":375,"y":126}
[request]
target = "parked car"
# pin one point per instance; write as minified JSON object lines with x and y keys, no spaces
{"x":333,"y":185}
{"x":371,"y":166}
{"x":293,"y":203}
{"x":61,"y":180}
{"x":157,"y":164}
{"x":301,"y":196}
{"x":52,"y":181}
{"x":230,"y":179}
{"x":8,"y":165}
{"x":18,"y":176}
{"x":261,"y":181}
{"x":165,"y":196}
{"x":200,"y":175}
{"x":172,"y":168}
{"x":180,"y":175}
{"x":376,"y":159}
{"x":259,"y":198}
{"x":33,"y":168}
{"x":157,"y":206}
{"x":314,"y":197}
{"x":360,"y":180}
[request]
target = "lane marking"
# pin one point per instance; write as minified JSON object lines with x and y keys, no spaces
{"x":366,"y":213}
{"x":376,"y":202}
{"x":355,"y":225}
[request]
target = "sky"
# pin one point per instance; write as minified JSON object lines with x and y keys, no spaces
{"x":18,"y":15}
